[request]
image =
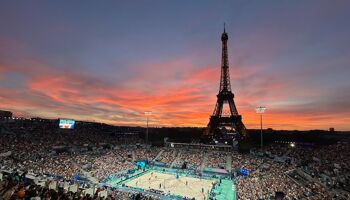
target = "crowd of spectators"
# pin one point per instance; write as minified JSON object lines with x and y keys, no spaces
{"x":245,"y":161}
{"x":14,"y":187}
{"x":168,"y":156}
{"x":109,"y":163}
{"x":266,"y":179}
{"x":299,"y":175}
{"x":46,"y":149}
{"x":192,"y":157}
{"x":146,"y":153}
{"x":217,"y":159}
{"x":299,"y":171}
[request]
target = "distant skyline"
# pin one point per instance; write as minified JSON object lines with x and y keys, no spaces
{"x":110,"y":61}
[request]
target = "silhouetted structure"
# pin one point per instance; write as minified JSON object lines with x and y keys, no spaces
{"x":5,"y":114}
{"x":224,"y":121}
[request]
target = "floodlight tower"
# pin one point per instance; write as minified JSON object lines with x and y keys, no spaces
{"x":147,"y":113}
{"x":260,"y":110}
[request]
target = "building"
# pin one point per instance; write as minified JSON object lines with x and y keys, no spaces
{"x":5,"y":115}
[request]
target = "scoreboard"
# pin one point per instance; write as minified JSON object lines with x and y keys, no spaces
{"x":66,"y":123}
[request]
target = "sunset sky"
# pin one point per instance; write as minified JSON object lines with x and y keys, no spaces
{"x":109,"y":61}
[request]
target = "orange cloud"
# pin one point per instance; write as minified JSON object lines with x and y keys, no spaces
{"x":186,"y":100}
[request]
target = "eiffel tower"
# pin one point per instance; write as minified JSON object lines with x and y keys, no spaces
{"x":221,"y":121}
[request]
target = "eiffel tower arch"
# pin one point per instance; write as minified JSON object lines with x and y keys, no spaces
{"x":224,"y":120}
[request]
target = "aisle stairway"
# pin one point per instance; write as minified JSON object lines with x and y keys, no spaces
{"x":133,"y":156}
{"x":174,"y":161}
{"x":158,"y":155}
{"x":204,"y":162}
{"x":229,"y":163}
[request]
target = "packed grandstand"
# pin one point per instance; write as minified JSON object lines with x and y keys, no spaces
{"x":40,"y":161}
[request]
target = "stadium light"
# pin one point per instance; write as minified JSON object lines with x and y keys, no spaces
{"x":147,"y":113}
{"x":260,"y":110}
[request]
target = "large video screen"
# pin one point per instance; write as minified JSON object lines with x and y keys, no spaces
{"x":67,"y":123}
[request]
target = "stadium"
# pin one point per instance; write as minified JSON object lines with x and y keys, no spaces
{"x":123,"y":100}
{"x":133,"y":169}
{"x":101,"y":161}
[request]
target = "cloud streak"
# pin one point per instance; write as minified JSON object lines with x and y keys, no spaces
{"x":187,"y":103}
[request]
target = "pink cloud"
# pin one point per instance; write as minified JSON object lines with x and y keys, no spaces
{"x":176,"y":98}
